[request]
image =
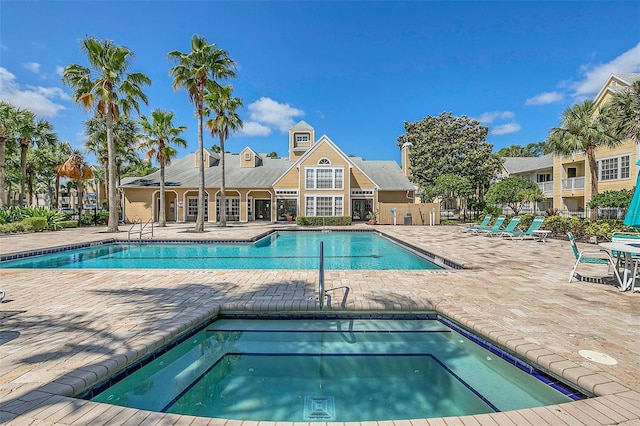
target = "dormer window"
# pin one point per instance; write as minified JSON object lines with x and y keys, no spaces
{"x":302,"y":138}
{"x":324,"y":162}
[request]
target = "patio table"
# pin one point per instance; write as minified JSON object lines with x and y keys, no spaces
{"x":626,"y":250}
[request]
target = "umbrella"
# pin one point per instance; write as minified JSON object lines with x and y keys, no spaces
{"x":632,"y":218}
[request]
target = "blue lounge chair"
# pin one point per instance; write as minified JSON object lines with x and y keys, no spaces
{"x":592,"y":257}
{"x":529,"y":233}
{"x":511,"y":227}
{"x":494,"y":228}
{"x":482,"y":225}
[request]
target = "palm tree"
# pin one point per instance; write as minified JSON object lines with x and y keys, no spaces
{"x":624,"y":110}
{"x":112,"y":91}
{"x":225,"y":120}
{"x":583,"y":129}
{"x":29,"y":131}
{"x":79,"y":170}
{"x":157,"y":137}
{"x":10,"y":116}
{"x":193,"y":71}
{"x":125,"y":134}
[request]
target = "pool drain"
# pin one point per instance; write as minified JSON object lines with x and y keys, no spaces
{"x":319,"y":408}
{"x":598,"y":357}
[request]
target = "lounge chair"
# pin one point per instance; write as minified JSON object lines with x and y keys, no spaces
{"x":592,"y":257}
{"x":493,"y":228}
{"x":529,"y":233}
{"x":511,"y":227}
{"x":482,"y":225}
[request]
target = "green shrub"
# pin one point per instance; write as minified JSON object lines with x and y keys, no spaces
{"x":323,"y":220}
{"x":35,"y":223}
{"x":525,"y":220}
{"x":52,"y":217}
{"x":8,"y":228}
{"x":449,"y":222}
{"x":68,"y":224}
{"x":560,"y":225}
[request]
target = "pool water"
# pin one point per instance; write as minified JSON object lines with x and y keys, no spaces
{"x":282,"y":250}
{"x":329,"y":370}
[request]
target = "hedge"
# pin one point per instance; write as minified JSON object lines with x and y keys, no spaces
{"x":323,"y":220}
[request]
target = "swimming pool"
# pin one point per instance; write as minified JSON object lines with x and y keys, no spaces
{"x":279,"y":250}
{"x":332,"y":369}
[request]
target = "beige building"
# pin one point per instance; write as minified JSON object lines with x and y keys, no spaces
{"x":315,"y":179}
{"x":565,"y":181}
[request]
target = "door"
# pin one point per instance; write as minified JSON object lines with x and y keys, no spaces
{"x":262,"y":210}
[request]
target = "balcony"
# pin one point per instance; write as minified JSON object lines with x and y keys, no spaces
{"x":573,"y":184}
{"x":546,"y":188}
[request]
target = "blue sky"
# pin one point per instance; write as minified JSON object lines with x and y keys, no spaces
{"x":355,"y":71}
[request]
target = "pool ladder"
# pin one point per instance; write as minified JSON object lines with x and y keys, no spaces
{"x":143,"y":229}
{"x":322,"y":292}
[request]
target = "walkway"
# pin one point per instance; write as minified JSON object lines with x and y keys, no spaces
{"x":63,"y":330}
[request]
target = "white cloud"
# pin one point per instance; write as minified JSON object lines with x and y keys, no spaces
{"x":37,"y":99}
{"x":505,"y":129}
{"x":270,"y":113}
{"x":490,"y":117}
{"x":34,"y":67}
{"x":3,"y":47}
{"x":545,"y":98}
{"x":596,"y":76}
{"x":59,"y":70}
{"x":252,"y":128}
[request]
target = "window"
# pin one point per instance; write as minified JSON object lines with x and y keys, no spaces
{"x":302,"y":138}
{"x":324,"y":178}
{"x":614,"y":168}
{"x":324,"y":162}
{"x":544,"y":177}
{"x":324,"y":206}
{"x":192,"y":207}
{"x":247,"y":156}
{"x":232,"y":208}
{"x":572,"y":172}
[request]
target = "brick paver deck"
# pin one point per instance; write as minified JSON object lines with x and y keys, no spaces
{"x":61,"y":331}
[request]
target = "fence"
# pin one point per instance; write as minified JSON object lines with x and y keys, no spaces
{"x":421,"y":214}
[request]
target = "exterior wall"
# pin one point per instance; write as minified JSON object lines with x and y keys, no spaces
{"x":298,"y":149}
{"x":248,"y":158}
{"x":421,"y":214}
{"x":337,"y":161}
{"x":137,"y":204}
{"x":394,"y":197}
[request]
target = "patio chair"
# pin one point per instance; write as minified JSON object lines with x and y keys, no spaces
{"x":493,"y":228}
{"x":592,"y":257}
{"x":529,"y":233}
{"x":511,"y":227}
{"x":482,"y":225}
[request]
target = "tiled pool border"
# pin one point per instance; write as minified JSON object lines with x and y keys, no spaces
{"x":438,"y":260}
{"x":558,"y":385}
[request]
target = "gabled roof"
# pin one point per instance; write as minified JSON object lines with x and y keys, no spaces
{"x":622,"y":81}
{"x":386,"y":175}
{"x":183,"y":173}
{"x":527,"y":164}
{"x":302,"y":126}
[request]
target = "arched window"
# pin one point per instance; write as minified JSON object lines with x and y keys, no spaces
{"x":324,"y":162}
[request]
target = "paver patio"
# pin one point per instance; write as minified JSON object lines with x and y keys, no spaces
{"x":62,"y":331}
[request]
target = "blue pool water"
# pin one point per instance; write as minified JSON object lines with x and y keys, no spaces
{"x":283,"y":250}
{"x":329,"y":370}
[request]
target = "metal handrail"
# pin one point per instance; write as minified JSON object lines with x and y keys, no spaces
{"x":141,"y":231}
{"x":321,"y":292}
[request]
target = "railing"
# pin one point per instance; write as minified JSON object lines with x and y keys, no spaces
{"x":143,"y":229}
{"x":573,"y":183}
{"x":321,"y":292}
{"x":546,"y":188}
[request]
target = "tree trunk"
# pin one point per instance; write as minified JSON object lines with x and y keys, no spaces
{"x":3,"y":150}
{"x":200,"y":213}
{"x":112,"y":226}
{"x":223,"y":199}
{"x":162,"y":217}
{"x":106,"y":180}
{"x":24,"y":146}
{"x":591,"y":158}
{"x":56,"y":201}
{"x":80,"y":191}
{"x":30,"y":188}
